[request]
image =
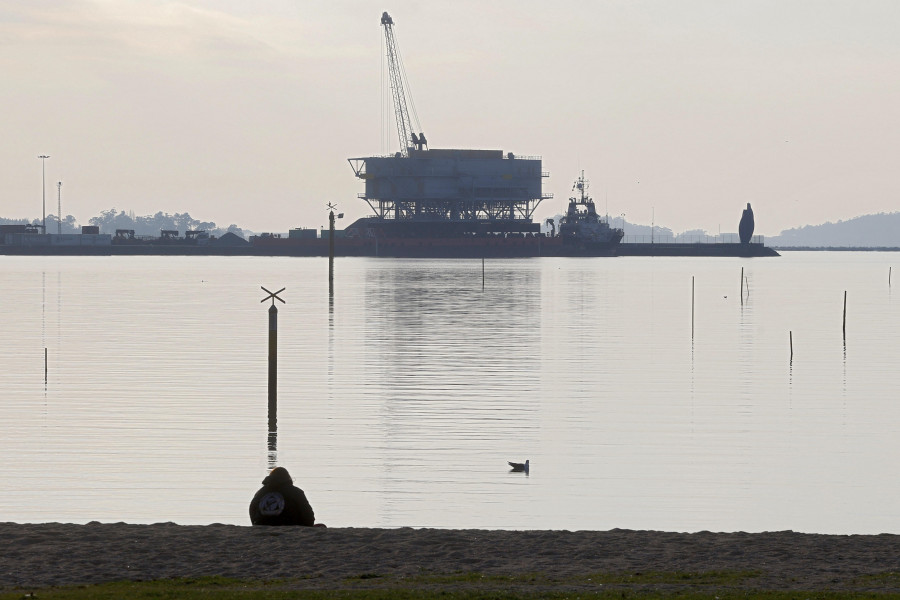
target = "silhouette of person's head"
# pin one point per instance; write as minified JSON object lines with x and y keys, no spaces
{"x":280,"y":475}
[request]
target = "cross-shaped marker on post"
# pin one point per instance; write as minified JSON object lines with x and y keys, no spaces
{"x":273,"y":296}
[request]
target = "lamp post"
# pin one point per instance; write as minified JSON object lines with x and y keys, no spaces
{"x":331,"y":218}
{"x":43,"y":157}
{"x":59,"y":207}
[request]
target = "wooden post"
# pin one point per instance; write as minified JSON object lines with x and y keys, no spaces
{"x":45,"y":366}
{"x":692,"y":307}
{"x":330,"y":252}
{"x":273,"y":356}
{"x":791,"y":341}
{"x":845,"y":315}
{"x":273,"y":359}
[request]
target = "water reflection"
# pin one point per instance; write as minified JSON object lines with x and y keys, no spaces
{"x":272,"y":455}
{"x":403,"y":398}
{"x":272,"y":435}
{"x":44,"y":326}
{"x":455,"y":371}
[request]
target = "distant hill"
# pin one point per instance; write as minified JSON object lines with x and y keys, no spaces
{"x":880,"y":230}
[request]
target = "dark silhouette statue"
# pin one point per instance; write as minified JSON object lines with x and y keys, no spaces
{"x":745,"y":228}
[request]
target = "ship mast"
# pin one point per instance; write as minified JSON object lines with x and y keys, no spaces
{"x":581,"y":185}
{"x":397,"y":74}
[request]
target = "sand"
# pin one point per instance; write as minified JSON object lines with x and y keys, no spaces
{"x":40,"y":555}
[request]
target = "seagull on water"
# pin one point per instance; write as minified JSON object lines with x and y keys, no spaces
{"x":519,"y":467}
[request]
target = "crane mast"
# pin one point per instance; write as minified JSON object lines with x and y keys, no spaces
{"x":405,"y":131}
{"x":442,"y":192}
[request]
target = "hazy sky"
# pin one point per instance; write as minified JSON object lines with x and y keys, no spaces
{"x":245,"y":112}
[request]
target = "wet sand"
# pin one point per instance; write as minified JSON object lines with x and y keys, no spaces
{"x":40,"y":555}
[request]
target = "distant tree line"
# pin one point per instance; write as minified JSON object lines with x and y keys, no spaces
{"x":110,"y":220}
{"x":881,"y":230}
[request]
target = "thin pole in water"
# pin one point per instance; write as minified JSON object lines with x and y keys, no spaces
{"x":330,"y":253}
{"x":742,"y":285}
{"x":791,"y":341}
{"x":692,"y":307}
{"x":482,"y":272}
{"x":845,"y":315}
{"x":273,"y":349}
{"x":45,"y":366}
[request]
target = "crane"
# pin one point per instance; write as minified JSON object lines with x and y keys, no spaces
{"x":397,"y":74}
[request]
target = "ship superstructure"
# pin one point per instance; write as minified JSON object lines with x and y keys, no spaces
{"x":581,"y":224}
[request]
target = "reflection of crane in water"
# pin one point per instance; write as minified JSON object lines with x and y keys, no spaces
{"x":397,"y":73}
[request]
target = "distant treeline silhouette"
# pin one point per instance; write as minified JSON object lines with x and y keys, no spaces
{"x":110,"y":220}
{"x":881,"y":230}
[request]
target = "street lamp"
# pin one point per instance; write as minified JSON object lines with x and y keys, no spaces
{"x":43,"y":157}
{"x":59,"y":207}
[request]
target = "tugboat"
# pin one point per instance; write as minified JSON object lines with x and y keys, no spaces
{"x":582,"y":228}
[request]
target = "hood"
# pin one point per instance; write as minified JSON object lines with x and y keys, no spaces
{"x":278,"y":476}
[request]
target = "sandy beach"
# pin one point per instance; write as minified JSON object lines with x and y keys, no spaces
{"x":39,"y":555}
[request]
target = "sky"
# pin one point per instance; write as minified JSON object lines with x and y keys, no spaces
{"x":245,"y":113}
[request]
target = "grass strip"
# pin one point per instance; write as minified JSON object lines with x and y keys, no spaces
{"x":713,"y":585}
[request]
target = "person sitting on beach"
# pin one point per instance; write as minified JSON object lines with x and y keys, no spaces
{"x":280,"y":502}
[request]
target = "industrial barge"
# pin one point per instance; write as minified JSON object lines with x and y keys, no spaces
{"x":426,"y":203}
{"x":465,"y":203}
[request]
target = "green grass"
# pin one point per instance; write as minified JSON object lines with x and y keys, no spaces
{"x":711,"y":585}
{"x":708,"y":578}
{"x":891,"y":578}
{"x":474,"y":577}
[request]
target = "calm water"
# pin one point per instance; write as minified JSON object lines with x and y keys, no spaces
{"x":401,"y":400}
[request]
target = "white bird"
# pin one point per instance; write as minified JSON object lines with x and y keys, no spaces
{"x":519,"y":467}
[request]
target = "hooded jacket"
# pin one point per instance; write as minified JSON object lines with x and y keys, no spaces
{"x":280,"y":502}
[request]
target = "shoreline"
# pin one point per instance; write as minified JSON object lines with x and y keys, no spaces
{"x":55,"y":554}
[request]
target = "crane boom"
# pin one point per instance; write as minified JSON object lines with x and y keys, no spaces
{"x":405,"y":131}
